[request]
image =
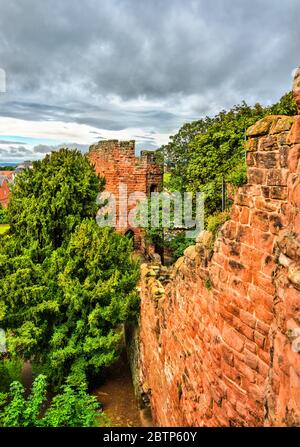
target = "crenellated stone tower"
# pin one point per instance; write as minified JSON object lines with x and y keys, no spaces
{"x":116,"y":161}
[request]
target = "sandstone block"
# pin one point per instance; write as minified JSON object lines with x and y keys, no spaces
{"x":282,"y":124}
{"x":204,"y":238}
{"x":283,"y":156}
{"x":256,"y":176}
{"x":294,"y":134}
{"x":268,"y":160}
{"x":294,"y":275}
{"x":296,"y":89}
{"x":251,"y":145}
{"x":278,"y":192}
{"x":262,"y":127}
{"x":251,"y":360}
{"x":260,"y":220}
{"x":232,"y":338}
{"x":294,"y":158}
{"x":248,"y":318}
{"x":268,"y":143}
{"x":277,"y":177}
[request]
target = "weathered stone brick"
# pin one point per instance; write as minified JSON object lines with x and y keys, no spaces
{"x":232,"y":338}
{"x":251,"y":145}
{"x":268,"y":160}
{"x":248,"y":318}
{"x":262,"y":127}
{"x":265,"y":191}
{"x":267,"y":205}
{"x":229,"y":230}
{"x":277,"y":177}
{"x":276,"y":223}
{"x":264,"y":242}
{"x":252,"y":257}
{"x":259,"y":339}
{"x":243,"y":328}
{"x":278,"y":192}
{"x":283,"y":156}
{"x":245,"y":371}
{"x":294,"y":190}
{"x":282,"y":124}
{"x":256,"y":176}
{"x":294,"y":158}
{"x":294,"y":135}
{"x":244,"y":216}
{"x":262,"y":327}
{"x":263,"y":368}
{"x":251,"y":360}
{"x":260,"y":220}
{"x":268,"y":143}
{"x":251,"y":159}
{"x":227,"y":355}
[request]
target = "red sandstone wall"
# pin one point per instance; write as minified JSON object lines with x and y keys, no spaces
{"x":116,"y":161}
{"x":217,"y":334}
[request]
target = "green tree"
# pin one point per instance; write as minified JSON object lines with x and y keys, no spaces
{"x":205,"y":151}
{"x":48,"y":201}
{"x":63,"y":303}
{"x":3,"y":215}
{"x":72,"y":407}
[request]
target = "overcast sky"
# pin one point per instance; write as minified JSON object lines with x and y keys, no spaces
{"x":81,"y":70}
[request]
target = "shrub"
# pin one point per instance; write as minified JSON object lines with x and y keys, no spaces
{"x":215,"y":221}
{"x":179,"y":243}
{"x":10,"y":371}
{"x":73,"y":407}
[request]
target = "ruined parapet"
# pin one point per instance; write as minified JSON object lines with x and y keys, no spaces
{"x":220,"y":340}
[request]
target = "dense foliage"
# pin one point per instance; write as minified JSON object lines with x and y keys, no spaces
{"x":10,"y":371}
{"x":48,"y":201}
{"x":66,"y":285}
{"x":208,"y":152}
{"x":72,"y":407}
{"x":204,"y":151}
{"x":3,"y":215}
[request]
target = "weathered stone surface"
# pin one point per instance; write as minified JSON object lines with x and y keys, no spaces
{"x":296,"y":82}
{"x":116,"y":161}
{"x":296,"y":88}
{"x":294,"y":134}
{"x":256,"y":176}
{"x":268,"y":143}
{"x":204,"y":238}
{"x":283,"y":124}
{"x":262,"y":127}
{"x":294,"y":275}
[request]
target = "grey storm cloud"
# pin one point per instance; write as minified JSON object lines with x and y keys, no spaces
{"x":20,"y":152}
{"x":68,"y":60}
{"x":45,"y":149}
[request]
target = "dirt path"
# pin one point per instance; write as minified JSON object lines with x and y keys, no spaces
{"x":117,"y":396}
{"x":26,"y":377}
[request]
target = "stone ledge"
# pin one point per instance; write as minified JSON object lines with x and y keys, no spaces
{"x":272,"y":124}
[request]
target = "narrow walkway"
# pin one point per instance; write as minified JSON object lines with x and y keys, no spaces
{"x":116,"y":395}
